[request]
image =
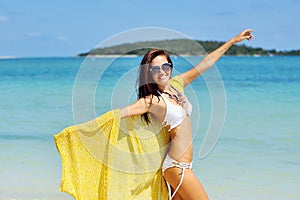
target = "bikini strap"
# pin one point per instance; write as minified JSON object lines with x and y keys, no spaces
{"x":183,"y":166}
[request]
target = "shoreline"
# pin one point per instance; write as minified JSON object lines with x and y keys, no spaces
{"x":181,"y":55}
{"x":129,"y":56}
{"x":110,"y":56}
{"x":7,"y":57}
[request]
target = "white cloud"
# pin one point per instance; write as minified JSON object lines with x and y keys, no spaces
{"x":262,"y":6}
{"x":3,"y":18}
{"x":62,"y":38}
{"x":226,"y":13}
{"x":34,"y":34}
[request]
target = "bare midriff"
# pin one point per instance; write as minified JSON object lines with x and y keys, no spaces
{"x":181,"y":147}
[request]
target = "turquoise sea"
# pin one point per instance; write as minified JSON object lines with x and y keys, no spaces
{"x":256,"y":157}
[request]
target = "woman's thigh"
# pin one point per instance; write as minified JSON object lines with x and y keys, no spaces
{"x":190,"y":188}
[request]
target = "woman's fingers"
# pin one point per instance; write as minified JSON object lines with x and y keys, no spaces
{"x":247,"y":34}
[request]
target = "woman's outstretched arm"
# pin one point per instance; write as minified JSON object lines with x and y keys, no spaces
{"x":210,"y":59}
{"x":139,"y":107}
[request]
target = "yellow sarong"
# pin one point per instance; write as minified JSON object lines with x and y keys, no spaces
{"x":110,"y":158}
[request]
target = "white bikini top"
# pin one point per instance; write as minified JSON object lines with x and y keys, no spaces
{"x":175,"y":114}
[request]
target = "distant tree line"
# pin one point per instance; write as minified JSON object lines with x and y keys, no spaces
{"x":182,"y":47}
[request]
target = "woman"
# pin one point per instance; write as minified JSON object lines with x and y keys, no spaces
{"x":119,"y":156}
{"x":160,"y":100}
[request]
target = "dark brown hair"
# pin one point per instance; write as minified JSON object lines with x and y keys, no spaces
{"x":146,"y":85}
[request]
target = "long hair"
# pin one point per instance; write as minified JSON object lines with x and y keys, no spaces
{"x":146,"y":84}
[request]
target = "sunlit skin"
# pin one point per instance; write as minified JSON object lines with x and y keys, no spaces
{"x":181,"y":148}
{"x":181,"y":142}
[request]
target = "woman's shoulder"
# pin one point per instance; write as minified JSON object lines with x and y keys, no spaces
{"x":178,"y":82}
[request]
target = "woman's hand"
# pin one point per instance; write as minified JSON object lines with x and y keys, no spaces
{"x":244,"y":35}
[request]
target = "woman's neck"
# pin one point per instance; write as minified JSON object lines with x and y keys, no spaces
{"x":164,"y":87}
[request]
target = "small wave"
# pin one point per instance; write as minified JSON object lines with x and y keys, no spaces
{"x":25,"y":137}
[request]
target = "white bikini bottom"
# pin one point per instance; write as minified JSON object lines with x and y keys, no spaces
{"x":169,"y":163}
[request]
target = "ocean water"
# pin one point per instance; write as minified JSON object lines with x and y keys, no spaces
{"x":257,"y":155}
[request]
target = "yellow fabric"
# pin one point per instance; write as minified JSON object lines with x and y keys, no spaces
{"x":178,"y":83}
{"x":110,"y":158}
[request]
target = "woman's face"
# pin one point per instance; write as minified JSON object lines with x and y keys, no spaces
{"x":162,"y":74}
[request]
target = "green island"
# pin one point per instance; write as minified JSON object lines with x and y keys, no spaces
{"x":183,"y":47}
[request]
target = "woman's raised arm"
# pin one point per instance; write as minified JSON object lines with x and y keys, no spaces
{"x":210,"y":59}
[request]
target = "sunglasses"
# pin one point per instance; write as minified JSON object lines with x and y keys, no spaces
{"x":166,"y":67}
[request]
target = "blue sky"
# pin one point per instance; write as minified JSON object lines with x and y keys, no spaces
{"x":66,"y":28}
